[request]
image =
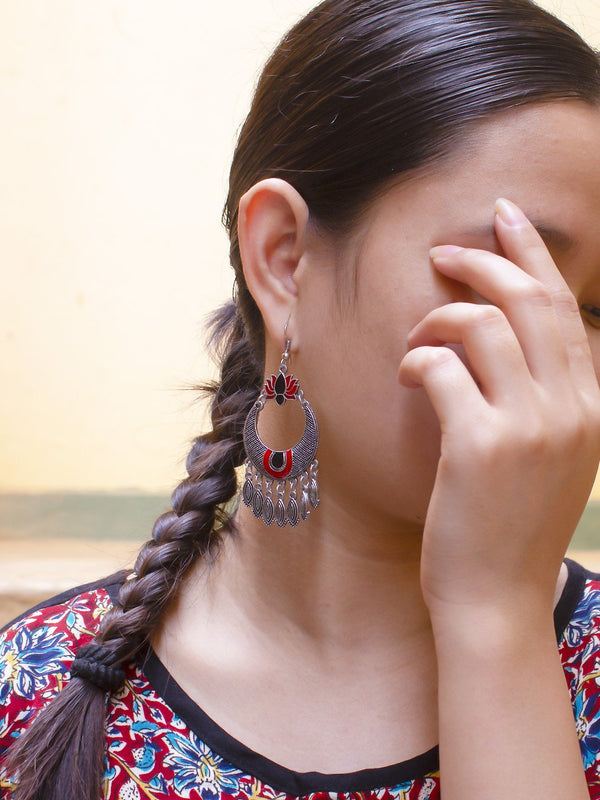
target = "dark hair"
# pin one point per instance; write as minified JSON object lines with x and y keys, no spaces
{"x":357,"y":94}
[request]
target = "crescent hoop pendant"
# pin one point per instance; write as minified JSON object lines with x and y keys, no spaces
{"x":281,"y":485}
{"x":281,"y":464}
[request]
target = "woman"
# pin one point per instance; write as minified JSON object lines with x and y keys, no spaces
{"x":412,"y":212}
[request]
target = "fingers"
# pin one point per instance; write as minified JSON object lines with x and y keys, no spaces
{"x":532,"y":293}
{"x":525,"y":302}
{"x":492,"y":349}
{"x":447,"y":382}
{"x":523,"y":245}
{"x":531,"y":329}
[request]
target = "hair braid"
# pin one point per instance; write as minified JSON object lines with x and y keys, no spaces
{"x":48,"y":759}
{"x":193,"y":527}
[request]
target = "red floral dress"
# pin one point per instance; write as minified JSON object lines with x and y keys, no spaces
{"x":160,"y":745}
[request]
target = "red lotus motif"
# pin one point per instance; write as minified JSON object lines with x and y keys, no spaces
{"x":281,"y":387}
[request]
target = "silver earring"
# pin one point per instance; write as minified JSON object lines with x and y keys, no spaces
{"x":281,"y":485}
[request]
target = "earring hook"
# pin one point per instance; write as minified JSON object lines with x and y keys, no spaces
{"x":288,"y":342}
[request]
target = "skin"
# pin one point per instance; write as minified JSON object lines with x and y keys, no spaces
{"x":458,"y":402}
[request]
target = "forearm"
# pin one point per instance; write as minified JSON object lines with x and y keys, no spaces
{"x":505,"y":716}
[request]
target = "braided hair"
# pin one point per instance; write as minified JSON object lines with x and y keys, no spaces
{"x":192,"y":529}
{"x":357,"y":95}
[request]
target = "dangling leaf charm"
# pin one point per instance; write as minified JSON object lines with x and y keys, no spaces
{"x":314,"y":493}
{"x":248,"y":492}
{"x":293,"y":514}
{"x":304,"y":505}
{"x":268,"y":511}
{"x":257,"y":504}
{"x":280,"y":513}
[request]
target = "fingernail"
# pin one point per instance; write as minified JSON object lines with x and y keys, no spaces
{"x":444,"y":251}
{"x":509,"y":213}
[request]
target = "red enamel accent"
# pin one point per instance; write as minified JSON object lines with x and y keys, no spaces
{"x":270,"y":387}
{"x":285,"y":470}
{"x":291,"y":387}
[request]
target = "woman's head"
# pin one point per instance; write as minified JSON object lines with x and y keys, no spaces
{"x":361,"y":92}
{"x":358,"y":98}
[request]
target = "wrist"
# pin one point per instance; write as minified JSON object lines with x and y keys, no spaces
{"x":496,"y":630}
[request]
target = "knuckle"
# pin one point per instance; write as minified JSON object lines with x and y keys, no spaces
{"x":426,"y":361}
{"x":535,"y":439}
{"x":534,"y":294}
{"x":571,"y":443}
{"x":534,"y":245}
{"x":539,"y":438}
{"x":437,"y":357}
{"x":565,"y":304}
{"x":585,"y":428}
{"x":487,"y":315}
{"x":569,"y":435}
{"x":528,"y":438}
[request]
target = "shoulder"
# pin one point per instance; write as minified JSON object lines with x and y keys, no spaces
{"x":37,"y":649}
{"x":578,"y":628}
{"x":577,"y":614}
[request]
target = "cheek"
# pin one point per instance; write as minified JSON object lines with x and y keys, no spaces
{"x":389,"y":452}
{"x":380,"y":442}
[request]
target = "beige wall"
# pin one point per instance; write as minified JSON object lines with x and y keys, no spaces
{"x":118,"y":123}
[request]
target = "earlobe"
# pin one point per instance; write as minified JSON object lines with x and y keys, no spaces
{"x":272,"y":227}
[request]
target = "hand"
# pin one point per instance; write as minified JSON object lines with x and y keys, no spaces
{"x":520,"y":429}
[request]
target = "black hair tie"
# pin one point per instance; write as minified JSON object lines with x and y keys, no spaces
{"x":96,"y":663}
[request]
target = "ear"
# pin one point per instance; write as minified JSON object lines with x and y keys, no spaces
{"x":272,"y":225}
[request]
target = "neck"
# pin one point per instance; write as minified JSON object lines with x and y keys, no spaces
{"x":331,"y":583}
{"x":323,"y":624}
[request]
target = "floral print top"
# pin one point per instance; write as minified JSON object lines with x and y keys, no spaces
{"x":161,"y":746}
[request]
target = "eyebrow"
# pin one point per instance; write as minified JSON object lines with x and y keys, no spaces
{"x":553,"y":237}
